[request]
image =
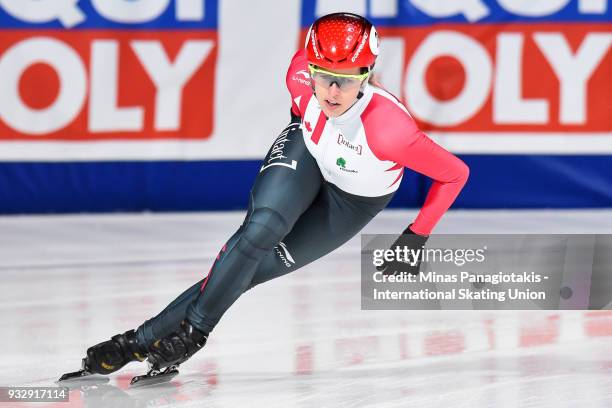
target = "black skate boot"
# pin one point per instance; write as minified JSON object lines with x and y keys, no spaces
{"x":177,"y":347}
{"x":108,"y":357}
{"x":167,"y":353}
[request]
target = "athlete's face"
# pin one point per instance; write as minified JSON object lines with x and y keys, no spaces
{"x":335,"y":98}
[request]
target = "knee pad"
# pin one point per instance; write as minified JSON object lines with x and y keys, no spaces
{"x":262,"y":231}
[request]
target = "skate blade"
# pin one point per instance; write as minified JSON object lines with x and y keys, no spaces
{"x":154,"y":378}
{"x":81,"y":377}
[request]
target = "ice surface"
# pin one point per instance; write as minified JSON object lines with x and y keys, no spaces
{"x":300,"y":341}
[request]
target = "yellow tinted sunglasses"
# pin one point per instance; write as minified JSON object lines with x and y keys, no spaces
{"x":344,"y":81}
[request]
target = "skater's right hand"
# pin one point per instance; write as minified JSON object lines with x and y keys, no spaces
{"x":413,"y":242}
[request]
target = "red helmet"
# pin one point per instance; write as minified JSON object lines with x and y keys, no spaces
{"x":342,"y":40}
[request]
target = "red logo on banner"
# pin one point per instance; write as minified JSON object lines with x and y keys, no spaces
{"x":536,"y":77}
{"x":100,"y":85}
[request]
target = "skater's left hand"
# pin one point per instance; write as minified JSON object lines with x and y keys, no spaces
{"x":413,"y":242}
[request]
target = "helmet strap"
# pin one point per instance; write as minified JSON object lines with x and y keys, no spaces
{"x":365,"y":81}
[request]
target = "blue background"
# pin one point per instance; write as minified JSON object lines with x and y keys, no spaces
{"x":496,"y":181}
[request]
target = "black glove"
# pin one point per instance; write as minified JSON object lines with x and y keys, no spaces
{"x":411,"y":241}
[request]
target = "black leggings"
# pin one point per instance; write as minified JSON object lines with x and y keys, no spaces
{"x":294,"y":217}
